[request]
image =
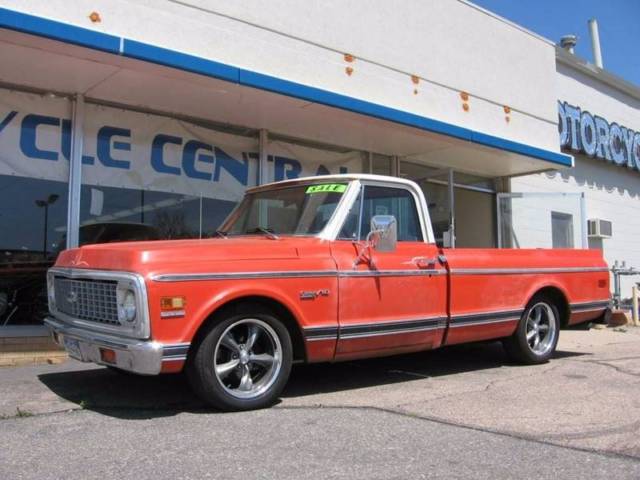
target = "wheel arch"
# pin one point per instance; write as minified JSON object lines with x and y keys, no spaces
{"x":559,"y":298}
{"x":265,"y":303}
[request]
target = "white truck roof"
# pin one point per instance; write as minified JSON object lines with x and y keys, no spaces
{"x":343,"y":177}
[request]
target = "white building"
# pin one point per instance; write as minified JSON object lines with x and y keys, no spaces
{"x":599,"y":123}
{"x":158,"y":114}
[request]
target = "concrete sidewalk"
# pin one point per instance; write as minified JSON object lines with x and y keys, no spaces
{"x":586,"y":398}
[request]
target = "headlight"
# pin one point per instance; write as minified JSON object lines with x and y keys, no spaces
{"x":127,"y":309}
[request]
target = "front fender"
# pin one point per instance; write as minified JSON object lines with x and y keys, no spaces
{"x":204,"y":298}
{"x":233,"y":293}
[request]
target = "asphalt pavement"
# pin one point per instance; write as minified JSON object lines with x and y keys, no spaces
{"x":460,"y":412}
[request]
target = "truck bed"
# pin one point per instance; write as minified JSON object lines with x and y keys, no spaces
{"x":489,"y":288}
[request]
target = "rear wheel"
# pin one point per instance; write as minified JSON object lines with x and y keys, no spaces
{"x":242,"y":363}
{"x":536,"y":337}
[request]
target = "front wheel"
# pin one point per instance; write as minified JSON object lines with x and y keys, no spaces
{"x":536,"y":336}
{"x":242,"y":363}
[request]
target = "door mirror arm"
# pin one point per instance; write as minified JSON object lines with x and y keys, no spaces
{"x":383,"y":237}
{"x":364,"y":254}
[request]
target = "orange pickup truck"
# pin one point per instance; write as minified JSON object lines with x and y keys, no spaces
{"x":317,"y":269}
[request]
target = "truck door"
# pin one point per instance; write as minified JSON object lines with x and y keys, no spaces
{"x":396,"y":301}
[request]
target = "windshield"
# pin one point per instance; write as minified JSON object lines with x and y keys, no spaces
{"x":297,"y":210}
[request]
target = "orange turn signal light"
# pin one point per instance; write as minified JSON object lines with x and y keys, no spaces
{"x":172,"y":303}
{"x":107,"y":355}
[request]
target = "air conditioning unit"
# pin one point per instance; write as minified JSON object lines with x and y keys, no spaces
{"x":598,"y":228}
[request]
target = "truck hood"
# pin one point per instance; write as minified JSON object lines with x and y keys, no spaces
{"x":152,"y":257}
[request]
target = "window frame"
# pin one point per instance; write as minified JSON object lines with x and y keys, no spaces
{"x":419,"y":204}
{"x":335,"y":224}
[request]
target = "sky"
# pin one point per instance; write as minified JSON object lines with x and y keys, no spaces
{"x":618,"y":22}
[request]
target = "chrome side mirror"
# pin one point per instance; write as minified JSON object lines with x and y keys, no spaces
{"x":383,"y":236}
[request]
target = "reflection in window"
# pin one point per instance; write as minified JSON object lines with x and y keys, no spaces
{"x":126,"y":214}
{"x":298,"y":210}
{"x":391,"y":201}
{"x":383,"y":201}
{"x":33,"y":217}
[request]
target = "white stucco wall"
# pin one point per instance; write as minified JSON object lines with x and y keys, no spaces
{"x":612,"y":192}
{"x":451,"y":45}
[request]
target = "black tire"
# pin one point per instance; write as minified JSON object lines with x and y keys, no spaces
{"x":518,"y":346}
{"x":202,"y":361}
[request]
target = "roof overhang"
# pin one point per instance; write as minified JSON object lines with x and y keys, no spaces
{"x":52,"y":56}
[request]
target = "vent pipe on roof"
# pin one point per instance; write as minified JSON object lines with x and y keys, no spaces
{"x":595,"y":42}
{"x":568,"y":42}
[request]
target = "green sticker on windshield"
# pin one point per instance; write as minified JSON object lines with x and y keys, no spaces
{"x":327,"y":188}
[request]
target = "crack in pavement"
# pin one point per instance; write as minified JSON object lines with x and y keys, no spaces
{"x":618,"y":369}
{"x":542,"y":440}
{"x":627,"y":428}
{"x":399,"y":412}
{"x":482,"y":389}
{"x":442,"y":421}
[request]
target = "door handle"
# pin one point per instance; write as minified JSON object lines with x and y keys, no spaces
{"x":425,"y":262}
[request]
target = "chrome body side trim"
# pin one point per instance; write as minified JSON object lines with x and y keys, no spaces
{"x":377,"y":333}
{"x":483,"y":322}
{"x":484,"y":318}
{"x":407,"y":326}
{"x":524,"y":271}
{"x":392,"y":273}
{"x":138,"y":356}
{"x":312,"y":334}
{"x":319,"y":338}
{"x":176,"y":351}
{"x":194,"y":277}
{"x":590,"y":306}
{"x":362,"y":330}
{"x":189,"y":277}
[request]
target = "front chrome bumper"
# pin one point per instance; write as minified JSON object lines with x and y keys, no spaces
{"x":138,"y":356}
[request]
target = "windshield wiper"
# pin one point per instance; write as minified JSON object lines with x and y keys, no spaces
{"x":265,"y":231}
{"x":221,"y":233}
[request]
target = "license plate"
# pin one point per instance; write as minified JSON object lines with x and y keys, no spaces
{"x":73,"y":347}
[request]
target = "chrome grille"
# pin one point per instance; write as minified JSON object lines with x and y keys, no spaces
{"x":91,"y":300}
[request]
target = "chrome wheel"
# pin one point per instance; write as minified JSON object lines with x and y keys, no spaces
{"x":248,"y":358}
{"x":541,"y":328}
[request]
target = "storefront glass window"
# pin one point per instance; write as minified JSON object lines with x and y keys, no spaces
{"x":148,"y":177}
{"x":381,"y":164}
{"x":34,"y":171}
{"x":144,"y":177}
{"x":474,"y":213}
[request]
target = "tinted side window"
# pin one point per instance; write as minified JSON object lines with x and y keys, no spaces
{"x":391,"y":201}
